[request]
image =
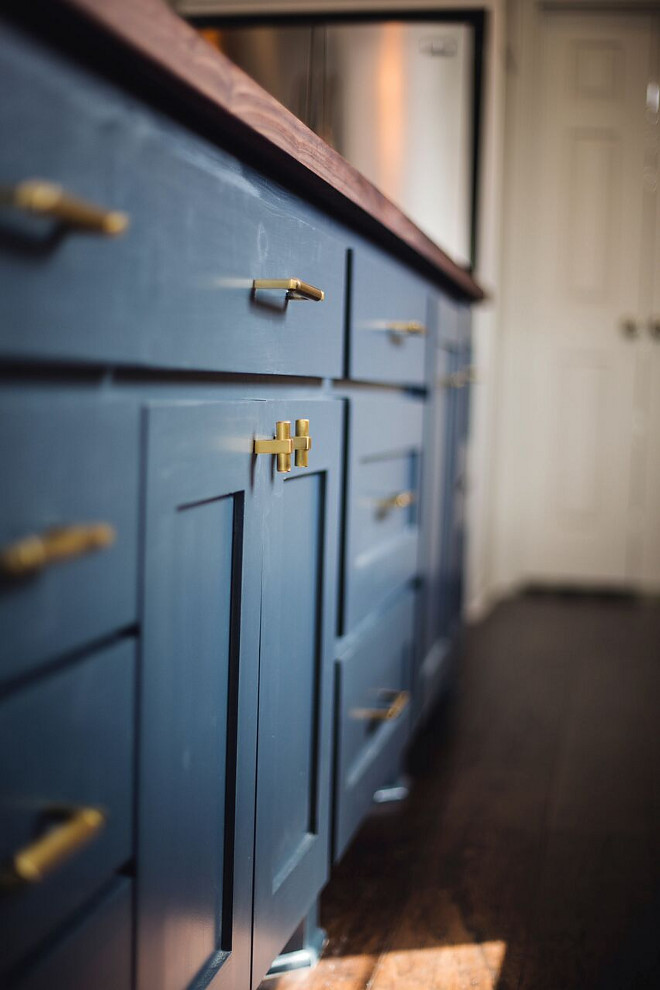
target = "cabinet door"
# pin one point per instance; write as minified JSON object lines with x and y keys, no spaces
{"x":295,"y":684}
{"x":201,"y":619}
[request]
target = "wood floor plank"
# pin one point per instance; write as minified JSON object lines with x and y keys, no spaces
{"x":528,"y":854}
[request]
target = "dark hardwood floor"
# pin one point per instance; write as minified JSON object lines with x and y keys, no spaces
{"x":528,"y":854}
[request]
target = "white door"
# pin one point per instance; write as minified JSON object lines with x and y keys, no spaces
{"x":590,"y":278}
{"x":647,"y":515}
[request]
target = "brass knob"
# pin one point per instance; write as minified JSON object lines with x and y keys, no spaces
{"x":33,"y":863}
{"x":35,"y":552}
{"x":47,"y":199}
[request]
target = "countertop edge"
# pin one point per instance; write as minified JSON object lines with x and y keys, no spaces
{"x":157,"y":34}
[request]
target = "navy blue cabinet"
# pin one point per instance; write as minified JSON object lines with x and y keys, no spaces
{"x":224,"y":595}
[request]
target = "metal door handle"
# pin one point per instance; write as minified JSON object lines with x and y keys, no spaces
{"x":33,"y":553}
{"x":47,"y":199}
{"x":34,"y":862}
{"x":295,"y":288}
{"x":395,"y":709}
{"x":629,"y":328}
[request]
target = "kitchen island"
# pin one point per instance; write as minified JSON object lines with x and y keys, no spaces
{"x":234,"y":395}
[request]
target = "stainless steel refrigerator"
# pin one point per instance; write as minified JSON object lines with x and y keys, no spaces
{"x":395,"y":98}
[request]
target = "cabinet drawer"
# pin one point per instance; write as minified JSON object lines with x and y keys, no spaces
{"x":385,"y":445}
{"x":68,"y":526}
{"x":176,"y":287}
{"x":68,"y":756}
{"x":388,"y":321}
{"x":96,"y":954}
{"x":373,"y":713}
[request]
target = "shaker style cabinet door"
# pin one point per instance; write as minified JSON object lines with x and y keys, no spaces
{"x":202,"y":573}
{"x":295,"y":687}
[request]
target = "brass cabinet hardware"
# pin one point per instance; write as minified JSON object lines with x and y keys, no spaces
{"x":295,"y":288}
{"x":302,"y":443}
{"x":400,"y":330}
{"x":47,"y":199}
{"x":401,"y":500}
{"x":458,"y":379}
{"x":396,"y":707}
{"x":33,"y":863}
{"x":284,"y":444}
{"x":32,"y":553}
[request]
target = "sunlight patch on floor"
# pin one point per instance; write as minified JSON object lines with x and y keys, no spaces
{"x":474,"y":966}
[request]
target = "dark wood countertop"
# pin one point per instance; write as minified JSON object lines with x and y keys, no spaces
{"x":151,"y":30}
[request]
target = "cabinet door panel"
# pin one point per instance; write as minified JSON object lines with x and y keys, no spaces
{"x":196,"y":806}
{"x":295,"y":690}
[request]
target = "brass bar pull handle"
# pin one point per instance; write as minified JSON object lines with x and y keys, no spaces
{"x":302,"y":443}
{"x":34,"y":553}
{"x":284,"y":444}
{"x":47,"y":199}
{"x":458,"y":379}
{"x":399,"y":330}
{"x":395,"y":709}
{"x":401,"y":500}
{"x":295,"y":288}
{"x":33,"y":863}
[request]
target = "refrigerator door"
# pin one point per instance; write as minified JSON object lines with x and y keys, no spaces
{"x":399,"y":106}
{"x":278,"y":58}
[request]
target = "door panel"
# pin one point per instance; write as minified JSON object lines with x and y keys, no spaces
{"x":201,"y":607}
{"x":588,"y":273}
{"x":295,"y":687}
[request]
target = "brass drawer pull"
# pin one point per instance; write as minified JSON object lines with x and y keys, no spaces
{"x":33,"y":553}
{"x":397,"y":706}
{"x":284,"y":444}
{"x":458,"y":379}
{"x":47,"y":199}
{"x":295,"y":288}
{"x":402,"y":500}
{"x":399,"y":330}
{"x":33,"y":863}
